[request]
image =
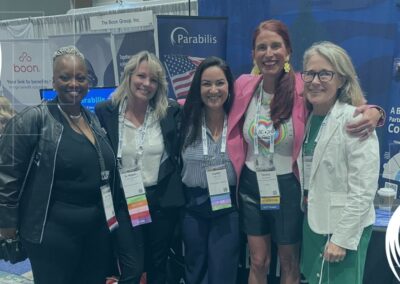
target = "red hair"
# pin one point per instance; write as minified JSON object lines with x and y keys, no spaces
{"x":282,"y":103}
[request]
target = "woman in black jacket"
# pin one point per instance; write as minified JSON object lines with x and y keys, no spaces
{"x":142,"y":125}
{"x":56,"y":181}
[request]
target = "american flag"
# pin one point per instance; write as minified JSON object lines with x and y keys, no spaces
{"x":181,"y":69}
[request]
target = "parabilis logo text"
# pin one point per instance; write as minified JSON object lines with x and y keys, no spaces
{"x":181,"y":36}
{"x":24,"y":64}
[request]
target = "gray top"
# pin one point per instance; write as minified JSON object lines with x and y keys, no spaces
{"x":195,"y":163}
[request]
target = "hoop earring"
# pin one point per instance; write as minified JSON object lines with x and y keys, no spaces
{"x":286,"y":67}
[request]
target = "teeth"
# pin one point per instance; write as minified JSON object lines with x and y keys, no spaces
{"x":214,"y":97}
{"x":269,"y":63}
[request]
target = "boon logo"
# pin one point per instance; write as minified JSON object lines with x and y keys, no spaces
{"x":181,"y":36}
{"x":25,"y":66}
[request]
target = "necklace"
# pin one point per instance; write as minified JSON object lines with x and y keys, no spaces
{"x":71,"y":116}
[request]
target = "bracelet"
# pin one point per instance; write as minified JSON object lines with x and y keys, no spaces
{"x":381,"y":120}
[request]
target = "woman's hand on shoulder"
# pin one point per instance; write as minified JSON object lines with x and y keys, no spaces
{"x":363,"y":127}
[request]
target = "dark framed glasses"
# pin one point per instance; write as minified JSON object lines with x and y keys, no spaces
{"x":323,"y":76}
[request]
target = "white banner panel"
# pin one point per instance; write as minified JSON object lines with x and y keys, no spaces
{"x":25,"y":69}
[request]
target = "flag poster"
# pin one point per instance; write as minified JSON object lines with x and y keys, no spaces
{"x":183,"y":42}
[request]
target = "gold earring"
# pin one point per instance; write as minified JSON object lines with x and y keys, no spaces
{"x":286,"y":67}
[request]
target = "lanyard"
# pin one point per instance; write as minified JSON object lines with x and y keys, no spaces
{"x":121,"y":128}
{"x":307,"y":158}
{"x":103,"y":171}
{"x":204,"y":136}
{"x":257,"y":118}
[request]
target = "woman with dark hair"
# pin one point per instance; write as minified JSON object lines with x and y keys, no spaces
{"x":142,"y":125}
{"x":269,"y":114}
{"x":210,"y":223}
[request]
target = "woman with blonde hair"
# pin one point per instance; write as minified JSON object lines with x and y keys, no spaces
{"x":338,"y":171}
{"x":142,"y":125}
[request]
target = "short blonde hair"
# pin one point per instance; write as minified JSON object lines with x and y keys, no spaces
{"x":160,"y":100}
{"x":350,"y":92}
{"x":6,"y":110}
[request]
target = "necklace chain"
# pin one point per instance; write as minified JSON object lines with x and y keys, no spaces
{"x":71,"y":116}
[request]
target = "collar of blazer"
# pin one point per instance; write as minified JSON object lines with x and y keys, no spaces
{"x":331,"y":127}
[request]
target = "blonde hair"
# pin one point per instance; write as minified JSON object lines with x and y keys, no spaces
{"x":6,"y":111}
{"x":68,"y":50}
{"x":350,"y":92}
{"x":160,"y":100}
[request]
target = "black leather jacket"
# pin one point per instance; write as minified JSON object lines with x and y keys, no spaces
{"x":31,"y":138}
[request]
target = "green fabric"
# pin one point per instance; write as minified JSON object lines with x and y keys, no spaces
{"x":314,"y":126}
{"x":348,"y":271}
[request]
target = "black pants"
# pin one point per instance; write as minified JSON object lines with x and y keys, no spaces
{"x":147,"y":246}
{"x":157,"y":239}
{"x":76,"y":247}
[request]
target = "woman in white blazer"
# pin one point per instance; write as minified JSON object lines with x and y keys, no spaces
{"x":339,"y":173}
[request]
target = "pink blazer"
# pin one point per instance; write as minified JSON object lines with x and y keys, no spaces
{"x":245,"y":87}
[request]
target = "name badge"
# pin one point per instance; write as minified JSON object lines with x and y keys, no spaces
{"x":108,"y":205}
{"x":307,"y":163}
{"x":135,"y":196}
{"x":267,"y":183}
{"x":218,"y":187}
{"x":132,"y":182}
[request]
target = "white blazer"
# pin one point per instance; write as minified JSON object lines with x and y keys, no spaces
{"x":343,"y":180}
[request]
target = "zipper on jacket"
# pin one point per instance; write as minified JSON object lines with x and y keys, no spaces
{"x":51,"y":184}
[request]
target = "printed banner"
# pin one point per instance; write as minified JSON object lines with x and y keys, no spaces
{"x":97,"y":51}
{"x":391,"y":135}
{"x":184,"y":42}
{"x":24,"y":70}
{"x":128,"y":44}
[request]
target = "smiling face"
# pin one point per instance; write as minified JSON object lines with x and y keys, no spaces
{"x":70,"y":79}
{"x":143,"y":83}
{"x":270,"y":53}
{"x":214,"y":88}
{"x":322,"y":95}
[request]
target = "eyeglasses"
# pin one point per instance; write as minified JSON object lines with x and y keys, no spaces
{"x":323,"y":76}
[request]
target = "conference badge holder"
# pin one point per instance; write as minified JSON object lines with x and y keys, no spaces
{"x":307,"y":163}
{"x":135,"y":195}
{"x":218,"y":187}
{"x":267,"y":183}
{"x":107,"y":199}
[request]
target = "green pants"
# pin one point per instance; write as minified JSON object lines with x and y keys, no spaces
{"x":348,"y":271}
